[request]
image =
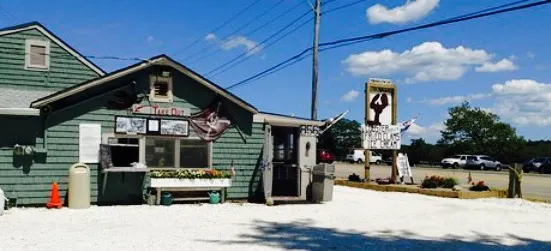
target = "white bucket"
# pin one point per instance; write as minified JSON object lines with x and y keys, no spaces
{"x":2,"y":201}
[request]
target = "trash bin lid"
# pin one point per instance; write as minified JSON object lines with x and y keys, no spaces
{"x":324,"y":169}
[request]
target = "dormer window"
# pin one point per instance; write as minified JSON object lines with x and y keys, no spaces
{"x":37,"y":55}
{"x":160,"y":88}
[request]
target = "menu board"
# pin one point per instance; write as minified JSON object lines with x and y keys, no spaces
{"x":89,"y":140}
{"x":130,"y":125}
{"x":174,"y":127}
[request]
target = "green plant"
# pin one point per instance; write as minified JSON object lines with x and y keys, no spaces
{"x":479,"y":187}
{"x":449,"y":182}
{"x":191,"y":174}
{"x":432,"y":181}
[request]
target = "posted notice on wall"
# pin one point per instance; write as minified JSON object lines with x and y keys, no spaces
{"x":381,"y":137}
{"x":89,"y":140}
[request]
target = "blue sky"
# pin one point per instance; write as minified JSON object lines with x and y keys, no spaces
{"x":499,"y":63}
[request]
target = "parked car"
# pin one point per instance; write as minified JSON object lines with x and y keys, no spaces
{"x":325,"y":156}
{"x":358,"y":156}
{"x":455,"y":161}
{"x":483,"y":162}
{"x":535,"y":164}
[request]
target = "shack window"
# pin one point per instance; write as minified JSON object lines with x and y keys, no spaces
{"x":37,"y":55}
{"x":159,"y":152}
{"x":124,"y":151}
{"x":161,"y":89}
{"x":194,"y":153}
{"x":176,"y":153}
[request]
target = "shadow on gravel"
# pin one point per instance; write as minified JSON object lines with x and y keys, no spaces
{"x":301,"y":235}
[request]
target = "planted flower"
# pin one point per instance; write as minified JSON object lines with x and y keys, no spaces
{"x":191,"y":174}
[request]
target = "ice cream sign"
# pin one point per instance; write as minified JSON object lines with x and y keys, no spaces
{"x":161,"y":111}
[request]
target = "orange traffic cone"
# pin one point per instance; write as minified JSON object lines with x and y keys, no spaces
{"x":55,"y":202}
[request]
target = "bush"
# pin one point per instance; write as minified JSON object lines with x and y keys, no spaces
{"x":432,"y":181}
{"x":436,"y":181}
{"x":449,"y":182}
{"x":479,"y":187}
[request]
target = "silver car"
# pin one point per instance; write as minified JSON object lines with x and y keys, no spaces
{"x":483,"y":162}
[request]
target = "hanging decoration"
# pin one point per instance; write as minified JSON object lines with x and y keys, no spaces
{"x":212,"y":122}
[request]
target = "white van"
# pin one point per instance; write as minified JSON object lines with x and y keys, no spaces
{"x":357,"y":156}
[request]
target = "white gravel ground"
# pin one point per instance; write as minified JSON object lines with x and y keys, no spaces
{"x":355,"y":219}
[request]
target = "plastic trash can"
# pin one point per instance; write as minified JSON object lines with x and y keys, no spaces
{"x":323,"y":180}
{"x":79,"y":186}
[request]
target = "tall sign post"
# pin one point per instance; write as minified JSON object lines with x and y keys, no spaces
{"x":381,"y":131}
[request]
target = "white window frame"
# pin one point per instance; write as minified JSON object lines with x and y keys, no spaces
{"x":35,"y":42}
{"x":142,"y":143}
{"x":152,"y":97}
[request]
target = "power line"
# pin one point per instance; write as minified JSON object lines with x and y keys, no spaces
{"x":256,"y":18}
{"x":18,"y":52}
{"x":261,"y":26}
{"x":292,"y":59}
{"x":345,"y":42}
{"x":8,"y":13}
{"x":443,"y":22}
{"x":344,"y":6}
{"x":263,"y":48}
{"x":219,"y":27}
{"x":259,"y":44}
{"x":275,"y":41}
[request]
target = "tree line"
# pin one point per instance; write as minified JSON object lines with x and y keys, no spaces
{"x":468,"y":130}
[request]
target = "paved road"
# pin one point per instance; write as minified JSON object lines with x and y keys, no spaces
{"x":533,"y":185}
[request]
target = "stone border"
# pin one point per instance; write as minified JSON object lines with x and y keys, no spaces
{"x":431,"y":192}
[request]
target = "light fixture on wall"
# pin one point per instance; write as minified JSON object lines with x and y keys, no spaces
{"x":23,"y":150}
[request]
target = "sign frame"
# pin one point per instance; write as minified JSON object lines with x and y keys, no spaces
{"x":380,"y":85}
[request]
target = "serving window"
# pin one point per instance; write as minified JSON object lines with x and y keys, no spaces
{"x":159,"y":152}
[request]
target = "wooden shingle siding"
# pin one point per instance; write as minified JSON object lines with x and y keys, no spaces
{"x":30,"y":180}
{"x":246,"y":158}
{"x":33,"y":185}
{"x":65,"y":70}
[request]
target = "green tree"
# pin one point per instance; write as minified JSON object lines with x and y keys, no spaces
{"x":341,"y":137}
{"x":475,"y":131}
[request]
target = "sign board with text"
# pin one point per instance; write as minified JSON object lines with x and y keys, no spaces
{"x":160,"y":111}
{"x":381,"y":131}
{"x":381,"y":137}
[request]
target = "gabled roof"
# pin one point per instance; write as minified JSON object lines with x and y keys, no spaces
{"x":157,"y":60}
{"x":38,"y":26}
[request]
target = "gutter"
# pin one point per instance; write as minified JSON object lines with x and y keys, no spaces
{"x":20,"y":111}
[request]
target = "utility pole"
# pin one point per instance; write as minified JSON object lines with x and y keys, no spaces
{"x":317,"y":14}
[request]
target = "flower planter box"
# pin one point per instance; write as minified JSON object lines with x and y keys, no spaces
{"x":171,"y":182}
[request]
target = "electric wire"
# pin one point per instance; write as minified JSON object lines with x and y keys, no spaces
{"x":233,"y":33}
{"x":219,"y":26}
{"x":349,"y":41}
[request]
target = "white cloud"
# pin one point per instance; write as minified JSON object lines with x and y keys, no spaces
{"x":250,"y":46}
{"x":350,"y":96}
{"x":211,"y":37}
{"x":523,"y":102}
{"x":453,"y":99}
{"x":149,"y":39}
{"x":425,"y":62}
{"x":530,"y":55}
{"x":430,"y":133}
{"x":412,"y":10}
{"x":503,"y":65}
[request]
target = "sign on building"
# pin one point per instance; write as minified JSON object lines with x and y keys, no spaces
{"x":381,"y":137}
